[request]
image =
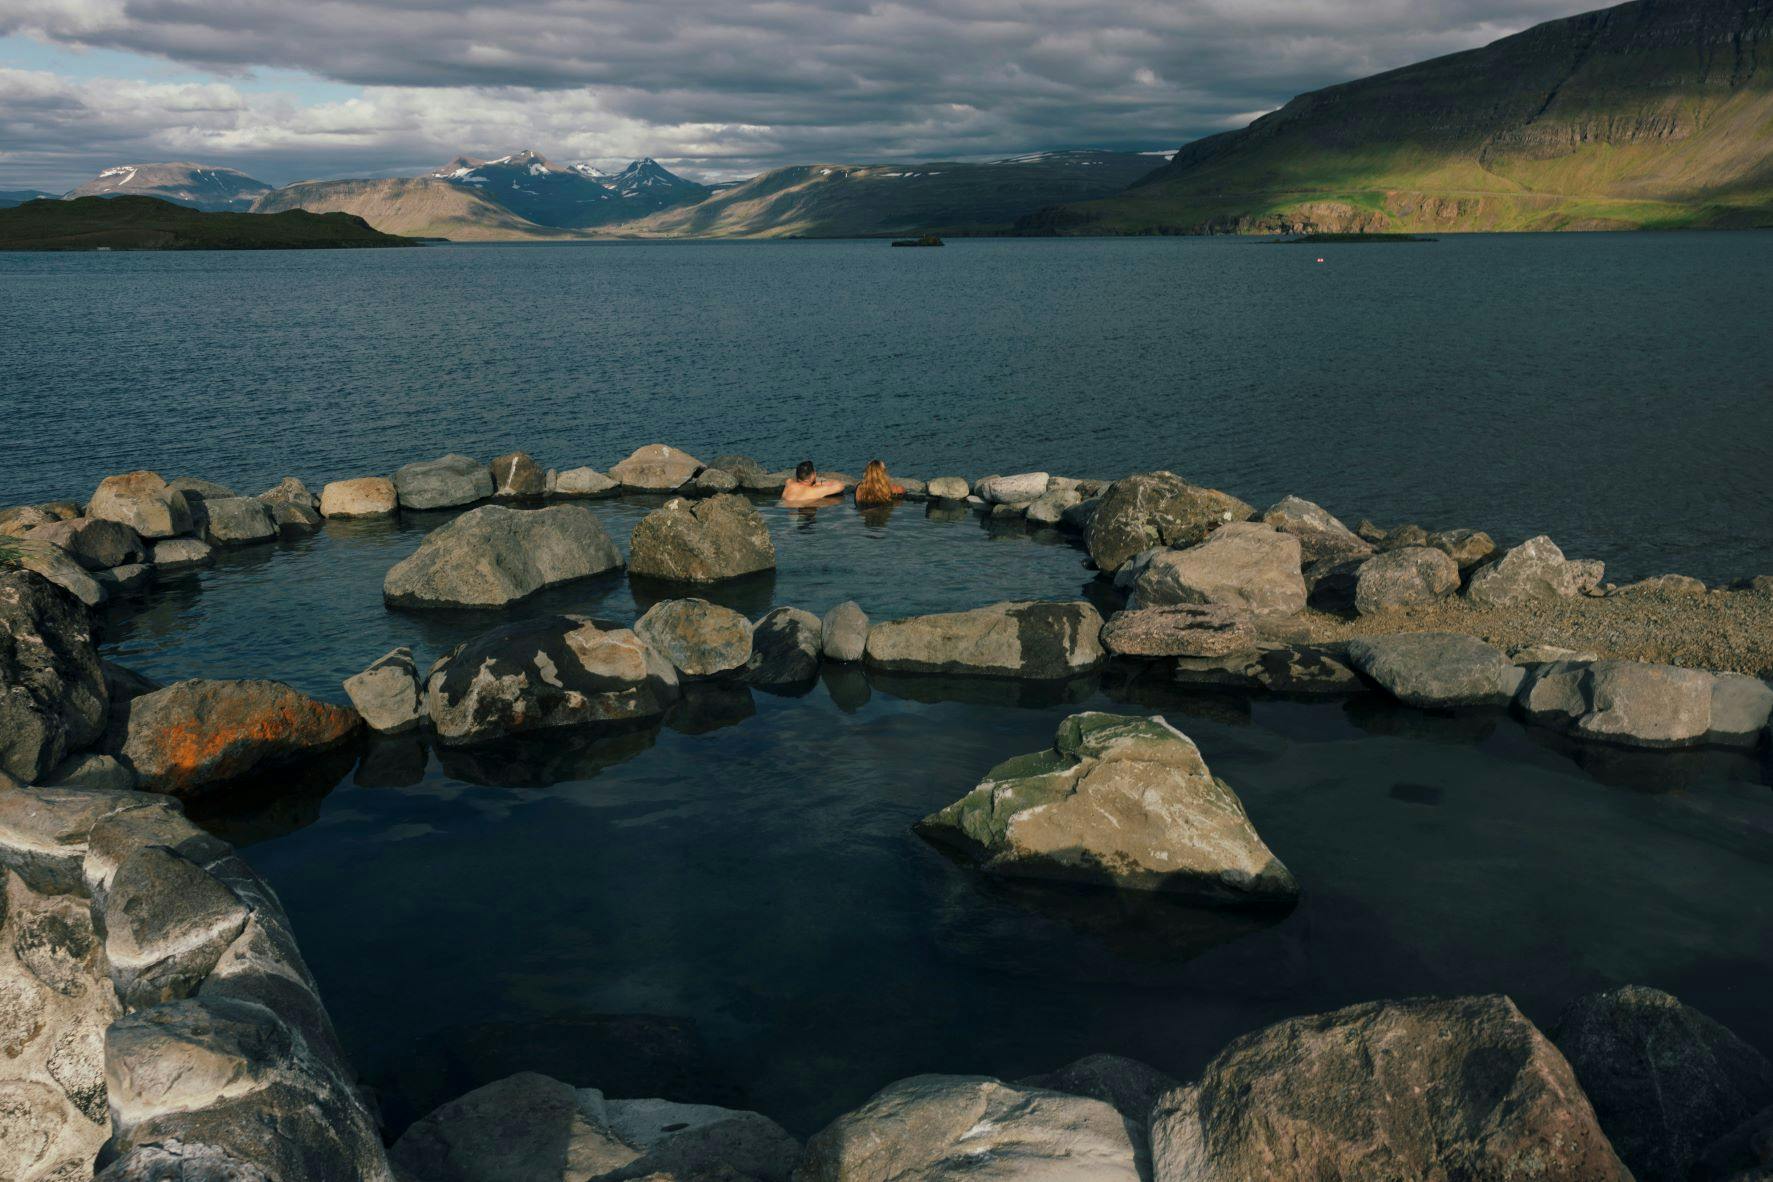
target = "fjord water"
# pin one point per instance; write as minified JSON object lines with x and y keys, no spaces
{"x":732,"y":907}
{"x":1612,"y":390}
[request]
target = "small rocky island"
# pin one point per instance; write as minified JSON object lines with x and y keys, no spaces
{"x":158,"y":1021}
{"x":148,"y":223}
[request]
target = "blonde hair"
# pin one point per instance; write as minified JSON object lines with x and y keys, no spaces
{"x":876,"y":487}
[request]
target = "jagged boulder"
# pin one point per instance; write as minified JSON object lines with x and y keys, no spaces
{"x":953,"y":1126}
{"x":1118,"y":800}
{"x":699,"y":638}
{"x":1404,"y":577}
{"x":366,"y":496}
{"x":1665,"y":1080}
{"x":443,"y":483}
{"x":546,"y":673}
{"x":1437,"y":669}
{"x":53,"y":700}
{"x":1321,"y":535}
{"x":195,"y":735}
{"x":196,"y":488}
{"x":290,"y":491}
{"x":785,"y":648}
{"x":706,"y":541}
{"x":1535,"y":569}
{"x":54,"y":565}
{"x":656,"y":468}
{"x":144,"y":502}
{"x":1037,"y":641}
{"x":516,"y":475}
{"x":1246,"y":566}
{"x":492,"y":556}
{"x":1426,"y":1088}
{"x":1156,"y":509}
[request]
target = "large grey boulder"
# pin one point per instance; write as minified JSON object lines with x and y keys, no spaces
{"x":712,"y":482}
{"x":443,"y":483}
{"x":1535,"y":569}
{"x":546,"y":673}
{"x":747,"y":471}
{"x":932,"y":1127}
{"x":196,"y":735}
{"x":1156,"y":509}
{"x":94,"y":543}
{"x":1405,"y":577}
{"x":1118,"y":800}
{"x":1437,"y":669}
{"x":1741,"y":707}
{"x":1037,"y":641}
{"x":144,"y":502}
{"x":699,"y":638}
{"x":1665,"y":1080}
{"x":492,"y":556}
{"x":181,"y":554}
{"x":54,"y":565}
{"x":53,"y":700}
{"x":707,"y":541}
{"x":785,"y":649}
{"x":1461,"y":1088}
{"x":656,"y":467}
{"x":531,"y":1128}
{"x":234,"y":521}
{"x":1631,"y":703}
{"x":1021,"y":489}
{"x":167,"y":922}
{"x":949,"y":488}
{"x":293,"y":518}
{"x":1321,"y":535}
{"x":1179,"y":630}
{"x":1049,"y":508}
{"x":844,"y":632}
{"x":1247,"y":566}
{"x":365,"y":496}
{"x":516,"y":475}
{"x":290,"y":491}
{"x":581,"y":482}
{"x":388,"y":693}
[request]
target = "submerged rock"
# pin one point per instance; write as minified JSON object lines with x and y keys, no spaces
{"x":1246,"y":566}
{"x":785,"y":647}
{"x":531,"y":1128}
{"x":492,"y":556}
{"x":1404,"y":577}
{"x":544,"y":673}
{"x":443,"y":483}
{"x":933,"y":1127}
{"x":144,"y":502}
{"x":53,"y":700}
{"x":388,"y":693}
{"x":1038,"y":641}
{"x":516,"y":475}
{"x":1437,"y":669}
{"x":1426,"y":1088}
{"x":699,"y":638}
{"x":656,"y":468}
{"x":1665,"y":1080}
{"x":581,"y":482}
{"x":1179,"y":630}
{"x":708,"y":541}
{"x":1321,"y":536}
{"x":176,"y":553}
{"x":366,"y":496}
{"x":196,"y":734}
{"x":1156,"y":509}
{"x":844,"y":632}
{"x":1535,"y":569}
{"x":94,"y":543}
{"x":1118,"y":800}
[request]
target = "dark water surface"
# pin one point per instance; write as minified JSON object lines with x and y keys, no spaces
{"x":733,"y":908}
{"x":1613,"y":390}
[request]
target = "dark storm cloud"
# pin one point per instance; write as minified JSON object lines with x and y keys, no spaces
{"x":738,"y":85}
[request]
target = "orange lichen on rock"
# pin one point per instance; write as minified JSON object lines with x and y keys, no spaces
{"x":196,"y":733}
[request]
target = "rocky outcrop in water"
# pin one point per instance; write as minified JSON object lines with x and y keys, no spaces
{"x":94,"y":543}
{"x":234,"y":521}
{"x":1156,"y":509}
{"x":366,"y":496}
{"x":1036,"y":641}
{"x":707,"y":541}
{"x":543,"y":674}
{"x":785,"y":650}
{"x":656,"y":467}
{"x":1321,"y":535}
{"x":443,"y":483}
{"x":844,"y":632}
{"x":581,"y":482}
{"x":1121,"y":801}
{"x":388,"y":693}
{"x":1464,"y":1087}
{"x":517,"y":476}
{"x":1638,"y":704}
{"x":1437,"y":669}
{"x":492,"y":556}
{"x":144,"y":502}
{"x":699,"y":638}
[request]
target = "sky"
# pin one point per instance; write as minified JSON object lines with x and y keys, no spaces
{"x":288,"y":90}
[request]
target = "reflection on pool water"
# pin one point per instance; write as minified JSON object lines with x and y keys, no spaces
{"x":733,"y":908}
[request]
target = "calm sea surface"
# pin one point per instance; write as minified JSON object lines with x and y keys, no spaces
{"x":732,"y":907}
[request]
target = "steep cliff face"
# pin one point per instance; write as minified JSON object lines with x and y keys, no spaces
{"x":1657,"y":112}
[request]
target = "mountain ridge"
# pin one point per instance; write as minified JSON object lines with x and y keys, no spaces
{"x":199,"y":186}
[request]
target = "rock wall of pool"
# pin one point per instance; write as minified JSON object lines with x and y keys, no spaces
{"x":635,"y":823}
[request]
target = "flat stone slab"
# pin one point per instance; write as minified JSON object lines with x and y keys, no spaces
{"x":1180,"y":630}
{"x":1437,"y":669}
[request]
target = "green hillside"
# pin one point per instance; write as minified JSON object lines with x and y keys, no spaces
{"x":1652,"y":114}
{"x":148,"y":223}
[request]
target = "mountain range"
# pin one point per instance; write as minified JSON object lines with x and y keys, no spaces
{"x":1650,"y":114}
{"x":1657,"y":113}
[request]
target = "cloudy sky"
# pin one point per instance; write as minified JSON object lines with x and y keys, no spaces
{"x":293,"y":89}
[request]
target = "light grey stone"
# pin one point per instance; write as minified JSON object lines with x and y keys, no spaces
{"x":144,"y":502}
{"x":785,"y":649}
{"x":442,"y":483}
{"x":54,"y":564}
{"x":1156,"y":509}
{"x":1049,"y":508}
{"x":1037,"y":641}
{"x":93,"y":771}
{"x":387,"y":693}
{"x":364,"y":496}
{"x":135,"y":579}
{"x":1740,"y":709}
{"x":1631,"y":703}
{"x":1244,"y":565}
{"x":1020,"y":489}
{"x":53,"y":700}
{"x":582,"y":482}
{"x":1405,"y":577}
{"x":844,"y":632}
{"x":949,"y":488}
{"x":96,"y":544}
{"x":706,"y":541}
{"x":656,"y":468}
{"x":166,"y":922}
{"x":1535,"y":569}
{"x":492,"y":556}
{"x":1321,"y":535}
{"x":235,"y":521}
{"x":1469,"y":548}
{"x":197,"y":488}
{"x":1437,"y":669}
{"x":699,"y":638}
